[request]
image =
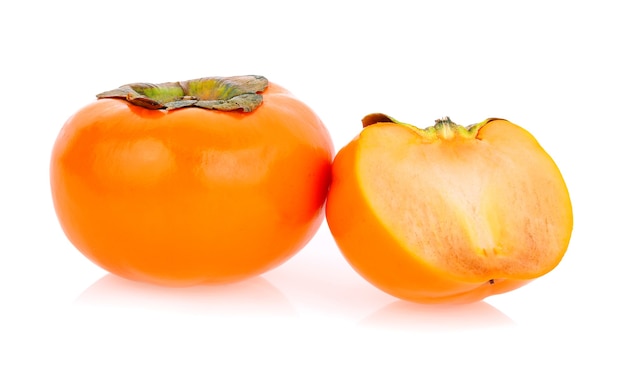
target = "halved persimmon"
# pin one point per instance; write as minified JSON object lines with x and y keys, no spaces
{"x":448,"y":213}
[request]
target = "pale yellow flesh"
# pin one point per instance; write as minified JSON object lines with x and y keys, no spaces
{"x":476,"y":208}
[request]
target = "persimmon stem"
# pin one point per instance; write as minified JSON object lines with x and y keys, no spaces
{"x":220,"y":93}
{"x":445,"y":119}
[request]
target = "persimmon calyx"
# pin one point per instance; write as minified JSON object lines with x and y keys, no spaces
{"x":219,"y":93}
{"x":443,"y":129}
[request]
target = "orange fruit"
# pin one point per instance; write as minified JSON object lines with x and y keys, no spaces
{"x":448,"y":213}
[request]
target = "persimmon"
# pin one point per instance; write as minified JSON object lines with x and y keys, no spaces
{"x":205,"y":181}
{"x":448,"y":214}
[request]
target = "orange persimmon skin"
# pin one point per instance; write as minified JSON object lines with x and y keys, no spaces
{"x":370,"y":239}
{"x":191,"y":196}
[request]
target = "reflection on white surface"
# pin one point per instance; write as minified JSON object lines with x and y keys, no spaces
{"x":405,"y":315}
{"x":253,"y":297}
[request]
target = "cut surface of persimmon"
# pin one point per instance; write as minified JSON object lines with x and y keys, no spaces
{"x":448,"y":213}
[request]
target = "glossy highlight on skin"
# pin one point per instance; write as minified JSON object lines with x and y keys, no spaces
{"x":448,"y":214}
{"x":191,"y":195}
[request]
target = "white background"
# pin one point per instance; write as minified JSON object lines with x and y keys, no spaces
{"x":554,"y":67}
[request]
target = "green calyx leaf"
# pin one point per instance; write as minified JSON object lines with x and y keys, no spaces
{"x":443,"y":129}
{"x":219,"y":93}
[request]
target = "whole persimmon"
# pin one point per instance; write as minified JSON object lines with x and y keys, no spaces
{"x":204,"y":181}
{"x":448,"y":214}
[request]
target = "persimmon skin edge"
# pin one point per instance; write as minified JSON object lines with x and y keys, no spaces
{"x":191,"y":196}
{"x":371,"y":243}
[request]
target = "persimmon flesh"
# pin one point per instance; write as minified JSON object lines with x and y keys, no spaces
{"x":448,"y":214}
{"x":178,"y":184}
